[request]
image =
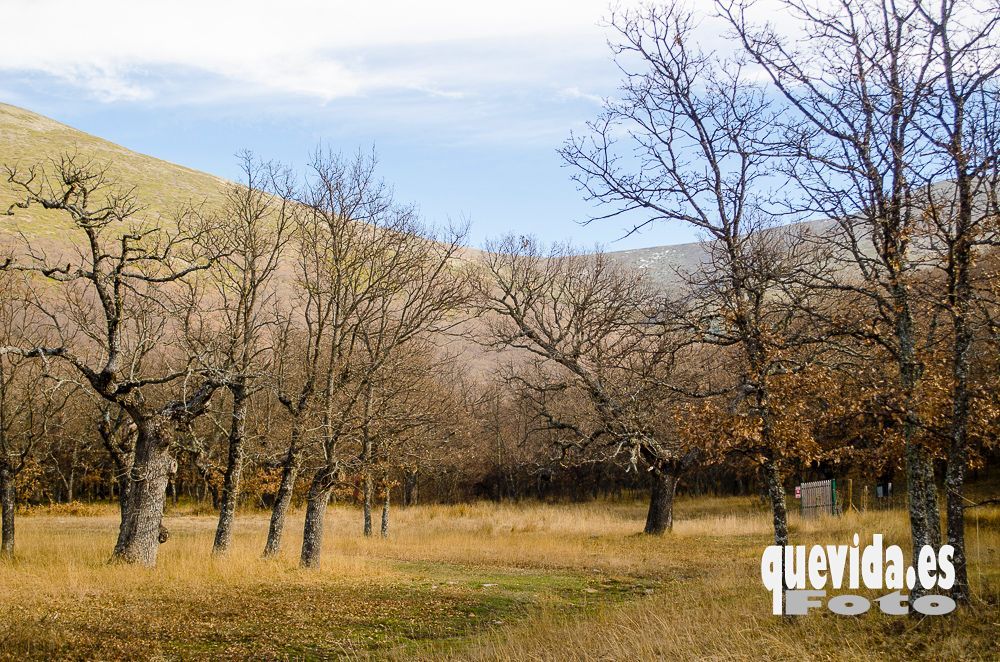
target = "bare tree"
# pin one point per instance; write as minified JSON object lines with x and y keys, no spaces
{"x":391,"y":284}
{"x":115,"y":302}
{"x":371,"y":281}
{"x":961,"y":119}
{"x":595,"y":329}
{"x":319,"y":332}
{"x":690,"y":141}
{"x":250,"y":233}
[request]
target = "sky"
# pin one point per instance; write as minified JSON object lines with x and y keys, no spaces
{"x":465,"y":103}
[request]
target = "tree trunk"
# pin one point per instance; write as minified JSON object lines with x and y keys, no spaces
{"x":366,"y":456}
{"x":775,"y":484}
{"x":312,"y":531}
{"x":385,"y":513}
{"x":954,"y":483}
{"x":960,"y":414}
{"x":124,"y":481}
{"x":7,"y":504}
{"x":961,"y":295}
{"x":776,"y":494}
{"x":410,"y":487}
{"x":916,"y":496}
{"x":925,"y":518}
{"x":142,"y":530}
{"x":283,"y":499}
{"x":234,"y":470}
{"x":367,"y":490}
{"x":660,"y":517}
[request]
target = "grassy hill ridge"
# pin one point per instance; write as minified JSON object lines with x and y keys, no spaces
{"x":27,"y":138}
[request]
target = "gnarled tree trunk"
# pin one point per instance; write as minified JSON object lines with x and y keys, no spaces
{"x":775,"y":484}
{"x":141,"y":529}
{"x":776,"y":494}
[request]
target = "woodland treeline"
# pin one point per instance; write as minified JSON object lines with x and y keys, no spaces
{"x":312,"y":338}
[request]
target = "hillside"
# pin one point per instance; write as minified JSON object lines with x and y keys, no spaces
{"x":27,"y":138}
{"x":664,"y":263}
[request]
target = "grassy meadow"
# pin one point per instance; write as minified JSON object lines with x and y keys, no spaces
{"x":477,"y":581}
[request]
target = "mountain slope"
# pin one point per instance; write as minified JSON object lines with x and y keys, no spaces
{"x":663,"y":264}
{"x":27,"y":139}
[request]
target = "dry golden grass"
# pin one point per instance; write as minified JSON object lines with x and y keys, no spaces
{"x":475,"y":581}
{"x":710,"y":608}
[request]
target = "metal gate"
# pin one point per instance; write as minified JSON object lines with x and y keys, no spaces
{"x":819,"y":498}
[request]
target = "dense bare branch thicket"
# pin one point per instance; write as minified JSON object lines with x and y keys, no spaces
{"x":33,"y":401}
{"x":411,"y":408}
{"x":371,"y":283}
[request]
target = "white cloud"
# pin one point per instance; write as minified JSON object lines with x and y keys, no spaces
{"x":577,"y":93}
{"x":466,"y":71}
{"x":319,"y":49}
{"x":103,"y":84}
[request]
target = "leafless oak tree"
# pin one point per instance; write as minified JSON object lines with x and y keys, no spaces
{"x":596,"y":329}
{"x":115,"y":302}
{"x":249,"y":234}
{"x":691,"y":141}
